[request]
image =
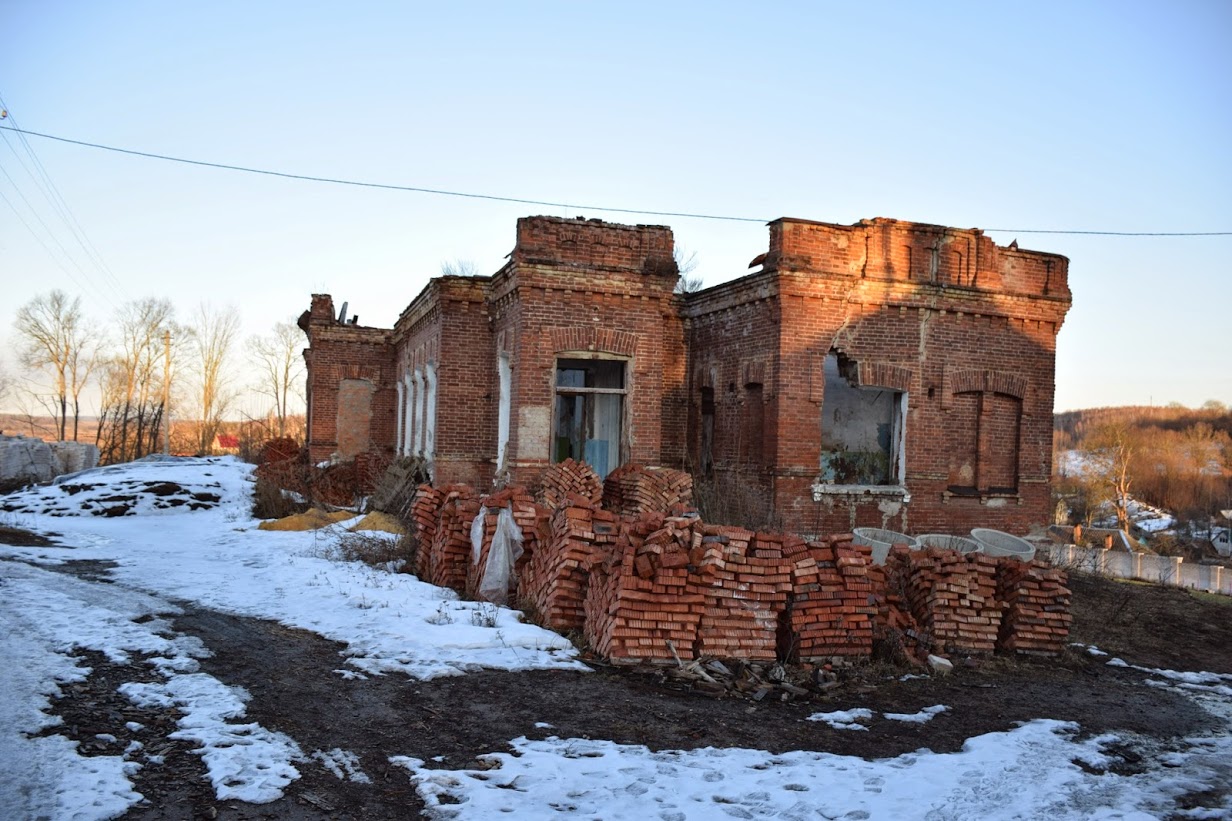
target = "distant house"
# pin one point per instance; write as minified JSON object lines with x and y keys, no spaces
{"x":226,"y":443}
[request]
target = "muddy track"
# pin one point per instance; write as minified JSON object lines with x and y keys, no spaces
{"x":295,"y":687}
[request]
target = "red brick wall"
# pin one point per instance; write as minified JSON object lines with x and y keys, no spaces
{"x":338,"y":353}
{"x":940,"y":313}
{"x":580,"y":286}
{"x":965,"y":328}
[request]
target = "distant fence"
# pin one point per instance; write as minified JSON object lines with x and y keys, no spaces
{"x":1170,"y":570}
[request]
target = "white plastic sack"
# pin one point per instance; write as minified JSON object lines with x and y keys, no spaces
{"x":477,"y":534}
{"x":504,"y":553}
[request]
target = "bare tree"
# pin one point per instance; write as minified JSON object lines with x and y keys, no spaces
{"x":280,"y":368}
{"x":132,"y":410}
{"x":211,"y":340}
{"x":1113,"y":447}
{"x":6,"y":385}
{"x":459,"y":268}
{"x":58,"y":341}
{"x":686,"y":264}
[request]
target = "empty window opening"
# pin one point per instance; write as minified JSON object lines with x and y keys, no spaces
{"x":399,"y":411}
{"x":418,"y":409}
{"x":707,"y":443}
{"x":753,"y":434}
{"x":408,"y":416}
{"x":590,"y":396}
{"x":505,"y":375}
{"x":430,"y":414}
{"x":861,"y":429}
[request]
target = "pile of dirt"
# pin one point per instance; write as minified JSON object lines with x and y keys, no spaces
{"x":313,"y":519}
{"x":376,"y":520}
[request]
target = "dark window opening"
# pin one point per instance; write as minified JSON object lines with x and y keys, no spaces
{"x":754,"y":433}
{"x":590,"y":397}
{"x":707,"y":443}
{"x":861,"y":428}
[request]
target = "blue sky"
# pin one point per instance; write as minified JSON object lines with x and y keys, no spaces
{"x":1112,"y":116}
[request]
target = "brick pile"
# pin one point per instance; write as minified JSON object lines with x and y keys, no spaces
{"x":631,"y":490}
{"x":1037,"y":601}
{"x":745,"y":582}
{"x":450,"y":551}
{"x":569,"y":478}
{"x":836,"y":591}
{"x":952,"y":597}
{"x":640,"y":605}
{"x":527,"y":515}
{"x":424,"y":514}
{"x":556,"y":579}
{"x":663,"y":588}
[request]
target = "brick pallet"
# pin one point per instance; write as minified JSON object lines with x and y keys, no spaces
{"x":557,"y":577}
{"x":953,"y":598}
{"x":745,"y":582}
{"x":569,"y":477}
{"x":450,"y":551}
{"x":1037,"y":600}
{"x":834,"y":598}
{"x":640,"y":606}
{"x":631,"y":490}
{"x":527,"y":516}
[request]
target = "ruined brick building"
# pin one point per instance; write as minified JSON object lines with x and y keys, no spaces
{"x":886,"y":373}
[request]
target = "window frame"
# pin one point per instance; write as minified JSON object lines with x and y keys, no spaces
{"x":897,"y":451}
{"x":625,"y":392}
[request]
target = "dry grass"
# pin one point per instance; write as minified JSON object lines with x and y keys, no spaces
{"x":395,"y":554}
{"x":736,"y":499}
{"x":269,"y":501}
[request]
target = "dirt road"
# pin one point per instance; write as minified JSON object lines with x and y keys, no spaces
{"x":300,"y":686}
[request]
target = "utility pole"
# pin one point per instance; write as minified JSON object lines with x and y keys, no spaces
{"x":167,"y":392}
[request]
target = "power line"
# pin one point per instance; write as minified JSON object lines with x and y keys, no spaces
{"x":546,"y":203}
{"x":384,"y":186}
{"x":51,"y":193}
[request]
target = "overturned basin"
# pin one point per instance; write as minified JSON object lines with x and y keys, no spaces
{"x":943,"y":541}
{"x":882,"y":540}
{"x":997,"y":543}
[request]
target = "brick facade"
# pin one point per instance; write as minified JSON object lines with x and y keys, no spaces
{"x":944,"y":338}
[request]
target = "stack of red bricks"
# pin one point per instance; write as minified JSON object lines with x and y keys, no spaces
{"x":835,"y":594}
{"x":556,"y":579}
{"x":1037,"y":617}
{"x":631,"y":490}
{"x":660,"y":588}
{"x":640,"y":605}
{"x":952,"y":596}
{"x":527,"y":516}
{"x":425,"y":513}
{"x":745,"y":582}
{"x":569,"y":478}
{"x":450,"y":550}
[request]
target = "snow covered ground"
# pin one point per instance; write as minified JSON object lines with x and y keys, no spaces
{"x":181,"y":531}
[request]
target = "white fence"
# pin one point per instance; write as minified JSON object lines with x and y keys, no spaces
{"x":1170,"y":570}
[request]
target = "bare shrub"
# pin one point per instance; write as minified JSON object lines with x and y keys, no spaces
{"x":737,"y":499}
{"x":269,"y":501}
{"x":397,"y":555}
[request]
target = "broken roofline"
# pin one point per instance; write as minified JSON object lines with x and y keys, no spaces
{"x":775,"y":259}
